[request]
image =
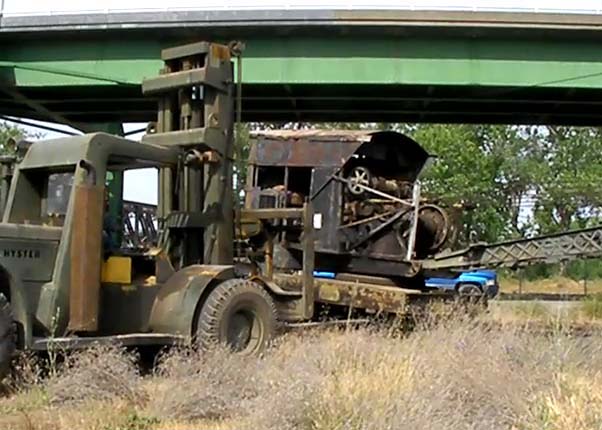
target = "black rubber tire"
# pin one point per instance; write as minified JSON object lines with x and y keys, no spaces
{"x":7,"y":336}
{"x":240,"y":314}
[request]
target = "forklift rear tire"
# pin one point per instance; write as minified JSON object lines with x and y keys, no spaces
{"x":7,"y":336}
{"x":239,"y":314}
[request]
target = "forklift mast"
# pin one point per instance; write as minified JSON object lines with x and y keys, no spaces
{"x":195,"y":92}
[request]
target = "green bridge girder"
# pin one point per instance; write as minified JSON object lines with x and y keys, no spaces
{"x":321,"y":74}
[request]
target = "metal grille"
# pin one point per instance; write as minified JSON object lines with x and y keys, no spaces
{"x":553,"y":248}
{"x":545,"y":249}
{"x":139,"y":225}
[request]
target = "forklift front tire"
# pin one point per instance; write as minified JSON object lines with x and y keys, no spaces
{"x":7,"y":336}
{"x":239,"y":314}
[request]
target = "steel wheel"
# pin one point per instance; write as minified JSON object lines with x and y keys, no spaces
{"x":358,"y":177}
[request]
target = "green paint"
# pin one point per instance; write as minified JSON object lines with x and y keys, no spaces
{"x":73,"y":73}
{"x":410,"y":60}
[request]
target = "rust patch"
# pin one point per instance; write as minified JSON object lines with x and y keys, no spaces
{"x":302,"y":153}
{"x":376,"y":298}
{"x":362,"y":296}
{"x":84,"y":295}
{"x":337,"y":135}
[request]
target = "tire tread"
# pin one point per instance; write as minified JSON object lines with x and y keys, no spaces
{"x":211,"y":311}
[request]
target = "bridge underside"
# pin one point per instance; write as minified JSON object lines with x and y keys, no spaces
{"x":391,"y":72}
{"x":326,"y":103}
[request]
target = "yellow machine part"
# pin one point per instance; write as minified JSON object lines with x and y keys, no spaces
{"x":246,"y":227}
{"x":117,"y":270}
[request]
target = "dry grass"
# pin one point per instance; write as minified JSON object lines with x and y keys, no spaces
{"x":27,"y":372}
{"x":190,"y":385}
{"x":553,"y":285}
{"x":100,"y":373}
{"x":455,"y":375}
{"x":579,"y":314}
{"x":591,"y":307}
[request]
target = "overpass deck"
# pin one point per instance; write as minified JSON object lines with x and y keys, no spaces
{"x":316,"y":65}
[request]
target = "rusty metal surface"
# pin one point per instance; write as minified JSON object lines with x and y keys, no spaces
{"x":370,"y":294}
{"x":362,"y":296}
{"x":359,"y":230}
{"x":188,"y":50}
{"x":86,"y":246}
{"x":182,"y":79}
{"x":308,"y":243}
{"x":302,"y":153}
{"x":131,"y":339}
{"x":325,"y":148}
{"x":262,"y":214}
{"x":553,"y":248}
{"x":335,"y":135}
{"x":207,"y":139}
{"x":196,"y":112}
{"x":176,"y":302}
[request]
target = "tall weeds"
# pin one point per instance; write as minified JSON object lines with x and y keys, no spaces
{"x":455,"y":374}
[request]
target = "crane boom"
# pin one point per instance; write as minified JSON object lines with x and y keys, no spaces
{"x":552,"y":248}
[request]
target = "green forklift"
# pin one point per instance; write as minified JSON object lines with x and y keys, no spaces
{"x":64,"y":282}
{"x":67,"y":280}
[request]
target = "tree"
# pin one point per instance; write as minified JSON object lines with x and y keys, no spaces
{"x":8,"y":135}
{"x":516,"y":159}
{"x":568,"y":187}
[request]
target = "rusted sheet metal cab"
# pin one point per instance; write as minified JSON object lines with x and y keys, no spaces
{"x":362,"y":188}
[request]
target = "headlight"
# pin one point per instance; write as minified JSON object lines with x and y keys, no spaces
{"x":490,"y":283}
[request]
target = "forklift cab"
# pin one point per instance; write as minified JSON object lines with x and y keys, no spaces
{"x":55,"y":201}
{"x":54,"y":221}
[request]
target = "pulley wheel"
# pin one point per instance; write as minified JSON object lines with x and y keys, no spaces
{"x":358,"y":178}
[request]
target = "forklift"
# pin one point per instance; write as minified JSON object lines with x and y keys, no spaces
{"x":63,"y":284}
